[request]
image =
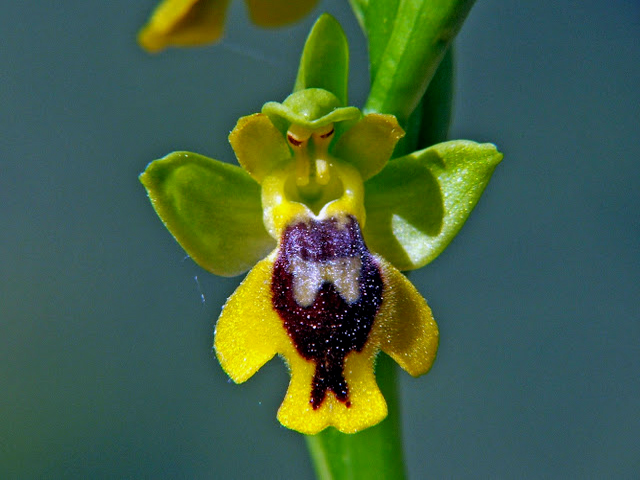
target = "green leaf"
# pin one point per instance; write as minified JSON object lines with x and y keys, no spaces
{"x":325,"y":59}
{"x":213,"y":209}
{"x":370,"y":454}
{"x":419,"y":202}
{"x":407,"y":41}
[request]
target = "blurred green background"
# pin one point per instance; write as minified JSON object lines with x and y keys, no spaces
{"x":106,"y":368}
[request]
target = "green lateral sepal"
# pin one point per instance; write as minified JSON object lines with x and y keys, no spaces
{"x":419,"y":202}
{"x":213,"y":210}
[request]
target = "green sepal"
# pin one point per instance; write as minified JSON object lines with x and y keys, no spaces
{"x":406,"y":48}
{"x":368,"y":145}
{"x":419,"y":202}
{"x":213,"y":210}
{"x":325,"y":59}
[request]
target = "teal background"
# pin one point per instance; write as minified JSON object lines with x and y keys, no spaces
{"x":106,"y":368}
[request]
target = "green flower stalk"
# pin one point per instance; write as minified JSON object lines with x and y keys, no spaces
{"x":328,"y":222}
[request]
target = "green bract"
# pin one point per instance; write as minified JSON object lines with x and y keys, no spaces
{"x":414,"y":205}
{"x":406,"y":47}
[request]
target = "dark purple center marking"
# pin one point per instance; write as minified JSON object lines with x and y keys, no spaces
{"x":326,"y":326}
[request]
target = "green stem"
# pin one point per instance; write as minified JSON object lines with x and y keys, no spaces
{"x":373,"y":453}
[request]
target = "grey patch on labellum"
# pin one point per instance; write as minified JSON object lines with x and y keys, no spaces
{"x":327,"y":288}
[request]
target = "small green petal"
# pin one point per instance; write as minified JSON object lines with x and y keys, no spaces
{"x":325,"y":59}
{"x":212,"y":209}
{"x":273,"y":13}
{"x":368,"y":145}
{"x":183,"y":23}
{"x":258,"y":145}
{"x":419,"y":202}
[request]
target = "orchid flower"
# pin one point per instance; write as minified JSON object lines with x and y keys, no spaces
{"x":325,"y":220}
{"x":184,"y":23}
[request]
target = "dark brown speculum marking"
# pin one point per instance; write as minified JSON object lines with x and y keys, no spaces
{"x":327,"y":288}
